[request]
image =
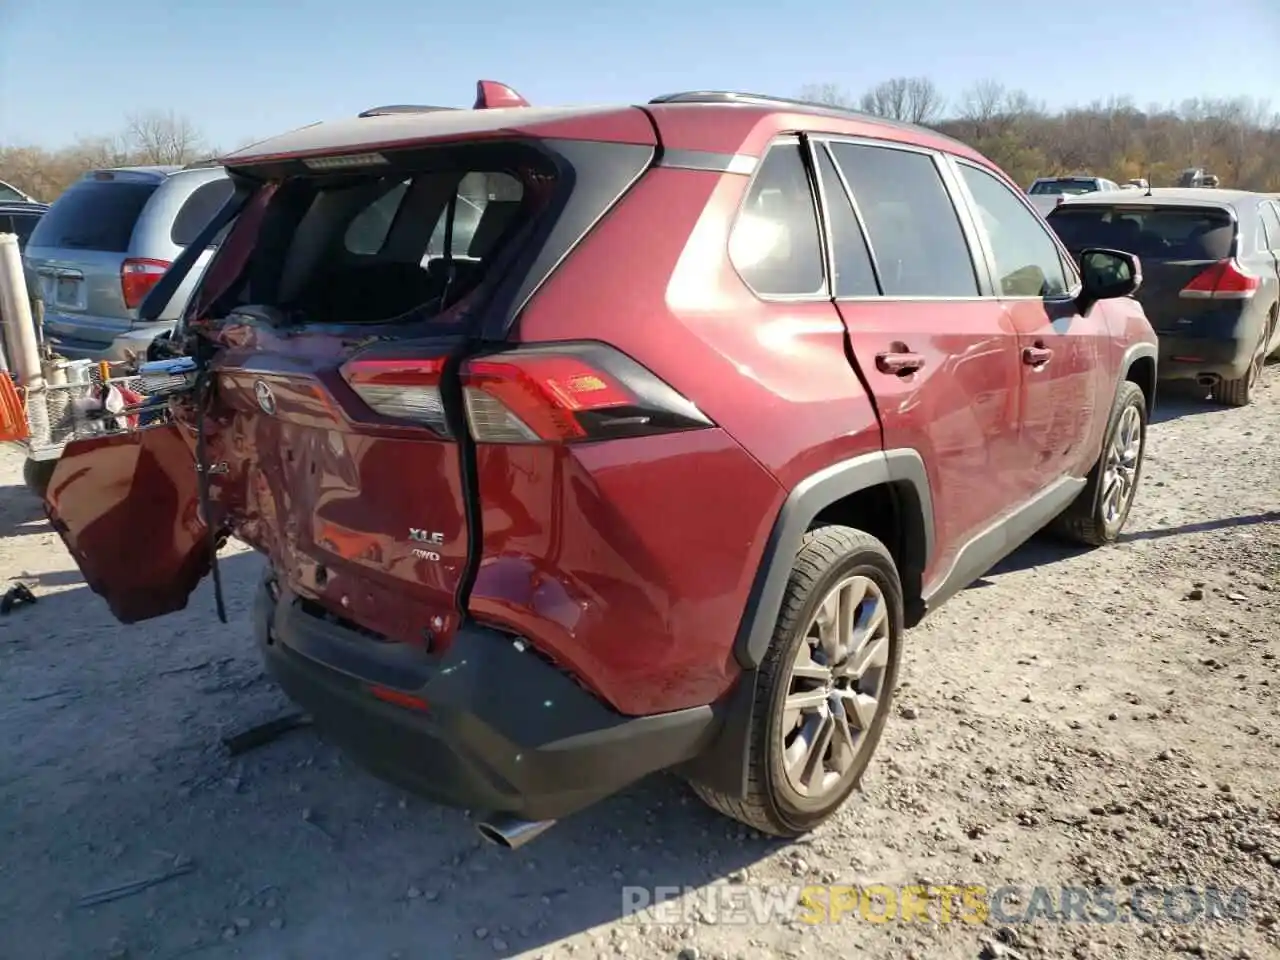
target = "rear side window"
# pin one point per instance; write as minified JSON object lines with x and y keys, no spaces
{"x":201,"y":207}
{"x":94,"y":215}
{"x":1027,"y":262}
{"x":775,"y":245}
{"x":9,"y":194}
{"x":919,"y":247}
{"x":1158,"y":233}
{"x":855,"y":276}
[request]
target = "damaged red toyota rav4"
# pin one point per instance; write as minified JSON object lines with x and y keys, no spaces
{"x":589,"y":442}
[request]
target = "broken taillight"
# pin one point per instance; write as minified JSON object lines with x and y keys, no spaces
{"x":1225,"y":280}
{"x":407,"y":389}
{"x":547,"y":393}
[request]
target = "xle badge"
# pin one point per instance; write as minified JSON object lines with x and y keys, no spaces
{"x":433,"y":537}
{"x":266,"y":399}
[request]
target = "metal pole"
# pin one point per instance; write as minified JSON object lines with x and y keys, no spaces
{"x":22,"y":345}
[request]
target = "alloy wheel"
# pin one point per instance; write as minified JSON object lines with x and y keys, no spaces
{"x":835,"y":687}
{"x":1124,"y":454}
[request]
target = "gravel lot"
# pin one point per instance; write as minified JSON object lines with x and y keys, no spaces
{"x":1074,"y":718}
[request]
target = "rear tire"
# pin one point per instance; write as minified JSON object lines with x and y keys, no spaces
{"x":1239,"y":392}
{"x":36,"y":474}
{"x":1096,"y":517}
{"x":825,"y":687}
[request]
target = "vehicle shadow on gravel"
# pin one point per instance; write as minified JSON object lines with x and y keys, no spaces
{"x":115,"y":765}
{"x":1178,"y":399}
{"x":21,"y":512}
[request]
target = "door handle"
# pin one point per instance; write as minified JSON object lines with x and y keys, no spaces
{"x":1036,"y":356}
{"x":899,"y":363}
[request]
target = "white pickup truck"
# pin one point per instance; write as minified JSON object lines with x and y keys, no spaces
{"x":1047,"y":192}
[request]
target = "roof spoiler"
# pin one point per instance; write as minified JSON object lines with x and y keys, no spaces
{"x":490,"y":95}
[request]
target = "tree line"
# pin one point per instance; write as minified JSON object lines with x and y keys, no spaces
{"x":1236,"y":139}
{"x":161,"y":137}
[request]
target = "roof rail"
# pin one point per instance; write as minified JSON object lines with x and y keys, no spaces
{"x":395,"y":108}
{"x":732,"y":96}
{"x":200,"y":164}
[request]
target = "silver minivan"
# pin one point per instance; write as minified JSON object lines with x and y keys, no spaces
{"x":105,"y":242}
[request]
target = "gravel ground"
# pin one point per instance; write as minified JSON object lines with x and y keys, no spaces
{"x":1103,"y":718}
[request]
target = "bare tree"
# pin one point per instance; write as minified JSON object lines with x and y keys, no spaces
{"x":164,"y":138}
{"x":909,"y":99}
{"x":829,"y":93}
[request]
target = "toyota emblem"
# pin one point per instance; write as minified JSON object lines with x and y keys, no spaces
{"x":266,"y":399}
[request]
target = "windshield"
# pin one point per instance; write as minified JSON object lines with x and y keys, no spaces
{"x":1158,"y":233}
{"x":371,"y":249}
{"x":1071,"y":186}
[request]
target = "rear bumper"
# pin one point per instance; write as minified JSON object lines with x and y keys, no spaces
{"x":1188,"y":358}
{"x":131,"y":342}
{"x":503,"y":730}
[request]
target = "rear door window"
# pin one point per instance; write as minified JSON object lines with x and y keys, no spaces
{"x":201,"y":207}
{"x":775,"y":245}
{"x":23,"y":225}
{"x":1027,"y":262}
{"x":94,"y":215}
{"x":1154,"y":232}
{"x":915,"y":234}
{"x":855,"y":276}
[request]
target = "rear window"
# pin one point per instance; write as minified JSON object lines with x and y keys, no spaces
{"x":371,"y":249}
{"x":205,"y":201}
{"x":94,"y":215}
{"x":1071,"y":186}
{"x":1158,"y":233}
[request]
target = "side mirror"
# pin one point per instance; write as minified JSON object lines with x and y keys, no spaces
{"x":1107,"y":275}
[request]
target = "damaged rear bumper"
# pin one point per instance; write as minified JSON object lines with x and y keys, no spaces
{"x":501,"y":729}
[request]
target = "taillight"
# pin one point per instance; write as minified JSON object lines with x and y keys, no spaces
{"x":405,"y":389}
{"x":562,"y":393}
{"x":137,"y":277}
{"x":547,"y":393}
{"x":1225,"y":280}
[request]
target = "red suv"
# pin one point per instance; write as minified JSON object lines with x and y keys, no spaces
{"x":590,"y":442}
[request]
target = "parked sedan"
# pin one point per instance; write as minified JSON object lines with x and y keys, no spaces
{"x":106,"y":241}
{"x":1211,"y":275}
{"x":1047,"y":192}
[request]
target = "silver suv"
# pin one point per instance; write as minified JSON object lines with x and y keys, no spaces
{"x":105,"y":242}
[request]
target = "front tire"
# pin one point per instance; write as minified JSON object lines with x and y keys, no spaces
{"x":1096,"y":517}
{"x":825,"y":687}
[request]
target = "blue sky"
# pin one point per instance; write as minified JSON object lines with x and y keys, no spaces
{"x":249,"y":68}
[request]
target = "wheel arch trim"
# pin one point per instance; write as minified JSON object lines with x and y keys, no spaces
{"x":1134,"y":353}
{"x":903,"y":468}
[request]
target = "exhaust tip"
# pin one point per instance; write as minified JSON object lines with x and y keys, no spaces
{"x":511,"y":833}
{"x":1208,"y":379}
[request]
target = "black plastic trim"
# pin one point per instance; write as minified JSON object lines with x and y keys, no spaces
{"x":1001,"y":538}
{"x":503,"y":731}
{"x":593,"y":177}
{"x":1134,"y":353}
{"x":901,"y":468}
